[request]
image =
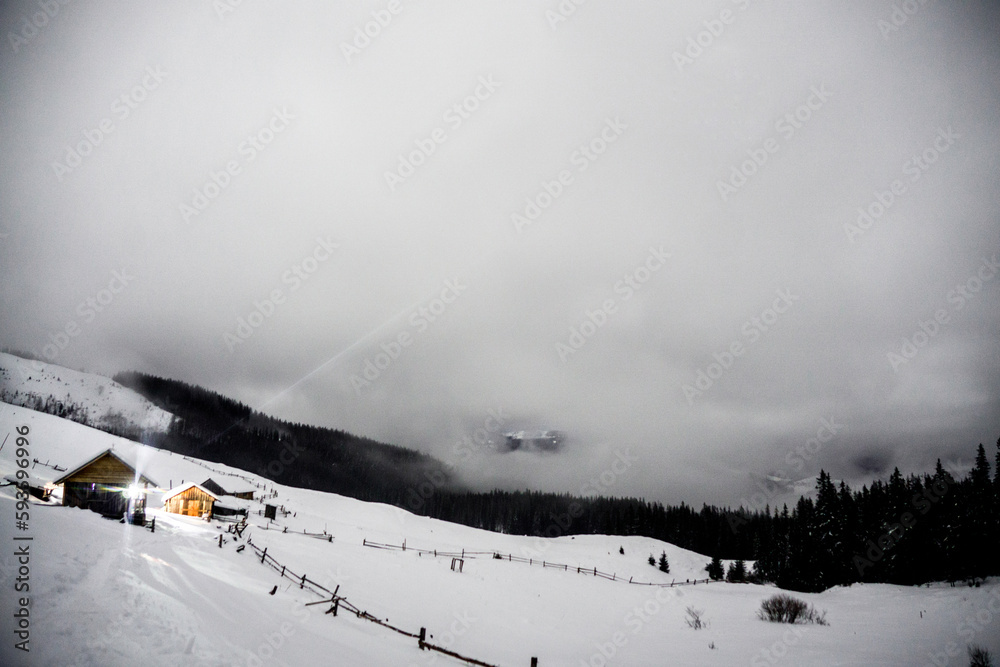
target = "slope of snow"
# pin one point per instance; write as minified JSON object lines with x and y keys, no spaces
{"x":105,"y":400}
{"x":112,"y":594}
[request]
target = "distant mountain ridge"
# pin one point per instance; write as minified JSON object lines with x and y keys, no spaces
{"x":190,"y":420}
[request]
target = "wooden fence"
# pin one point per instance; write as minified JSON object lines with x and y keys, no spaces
{"x":338,"y":602}
{"x":592,"y":571}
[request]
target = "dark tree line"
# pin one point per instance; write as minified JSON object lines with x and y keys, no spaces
{"x":906,"y":530}
{"x":931,"y":527}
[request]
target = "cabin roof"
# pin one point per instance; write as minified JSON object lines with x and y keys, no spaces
{"x":106,"y":452}
{"x":233,"y":503}
{"x":167,"y":495}
{"x":32,"y":481}
{"x":232,"y":485}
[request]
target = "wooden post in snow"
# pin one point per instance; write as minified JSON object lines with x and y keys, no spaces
{"x":263,"y":555}
{"x":534,"y":662}
{"x":220,"y":540}
{"x":423,"y":636}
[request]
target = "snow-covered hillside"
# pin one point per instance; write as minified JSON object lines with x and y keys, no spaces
{"x":105,"y":402}
{"x":106,"y":593}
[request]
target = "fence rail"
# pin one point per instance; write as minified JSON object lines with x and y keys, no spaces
{"x":511,"y":558}
{"x":337,"y":602}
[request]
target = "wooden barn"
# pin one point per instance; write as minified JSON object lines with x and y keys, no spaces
{"x":190,"y":500}
{"x":230,"y":487}
{"x":107,"y":484}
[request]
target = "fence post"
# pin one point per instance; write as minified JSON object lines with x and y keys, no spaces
{"x":302,"y":585}
{"x":263,"y":555}
{"x":282,"y":570}
{"x":423,"y":636}
{"x":152,"y":526}
{"x":534,"y":662}
{"x":220,"y":540}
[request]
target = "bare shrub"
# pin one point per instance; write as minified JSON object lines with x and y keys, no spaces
{"x":979,"y":657}
{"x":784,"y":608}
{"x":693,"y":619}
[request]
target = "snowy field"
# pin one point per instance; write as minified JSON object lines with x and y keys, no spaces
{"x":103,"y":398}
{"x":106,"y":593}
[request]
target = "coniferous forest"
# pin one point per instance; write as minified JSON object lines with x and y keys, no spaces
{"x":937,"y":526}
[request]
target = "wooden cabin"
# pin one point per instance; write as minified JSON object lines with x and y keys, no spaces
{"x":190,"y":500}
{"x":230,"y":487}
{"x":106,"y":484}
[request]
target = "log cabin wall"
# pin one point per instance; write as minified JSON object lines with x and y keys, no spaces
{"x":191,"y":502}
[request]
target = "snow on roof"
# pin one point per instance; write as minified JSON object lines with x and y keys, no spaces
{"x":232,"y":485}
{"x":534,"y":435}
{"x":233,"y":503}
{"x":184,"y":487}
{"x":122,"y":458}
{"x":33,"y":482}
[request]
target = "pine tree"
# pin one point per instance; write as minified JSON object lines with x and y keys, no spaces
{"x":715,"y":569}
{"x":737,"y":572}
{"x":979,"y":518}
{"x":664,"y":564}
{"x":829,"y":534}
{"x":996,"y":512}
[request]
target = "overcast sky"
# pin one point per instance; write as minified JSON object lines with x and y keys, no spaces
{"x":539,"y":220}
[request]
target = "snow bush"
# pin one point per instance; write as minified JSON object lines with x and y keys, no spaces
{"x":979,"y":657}
{"x":694,"y":618}
{"x":784,"y":608}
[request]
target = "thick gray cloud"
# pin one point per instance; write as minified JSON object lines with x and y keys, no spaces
{"x":696,"y":169}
